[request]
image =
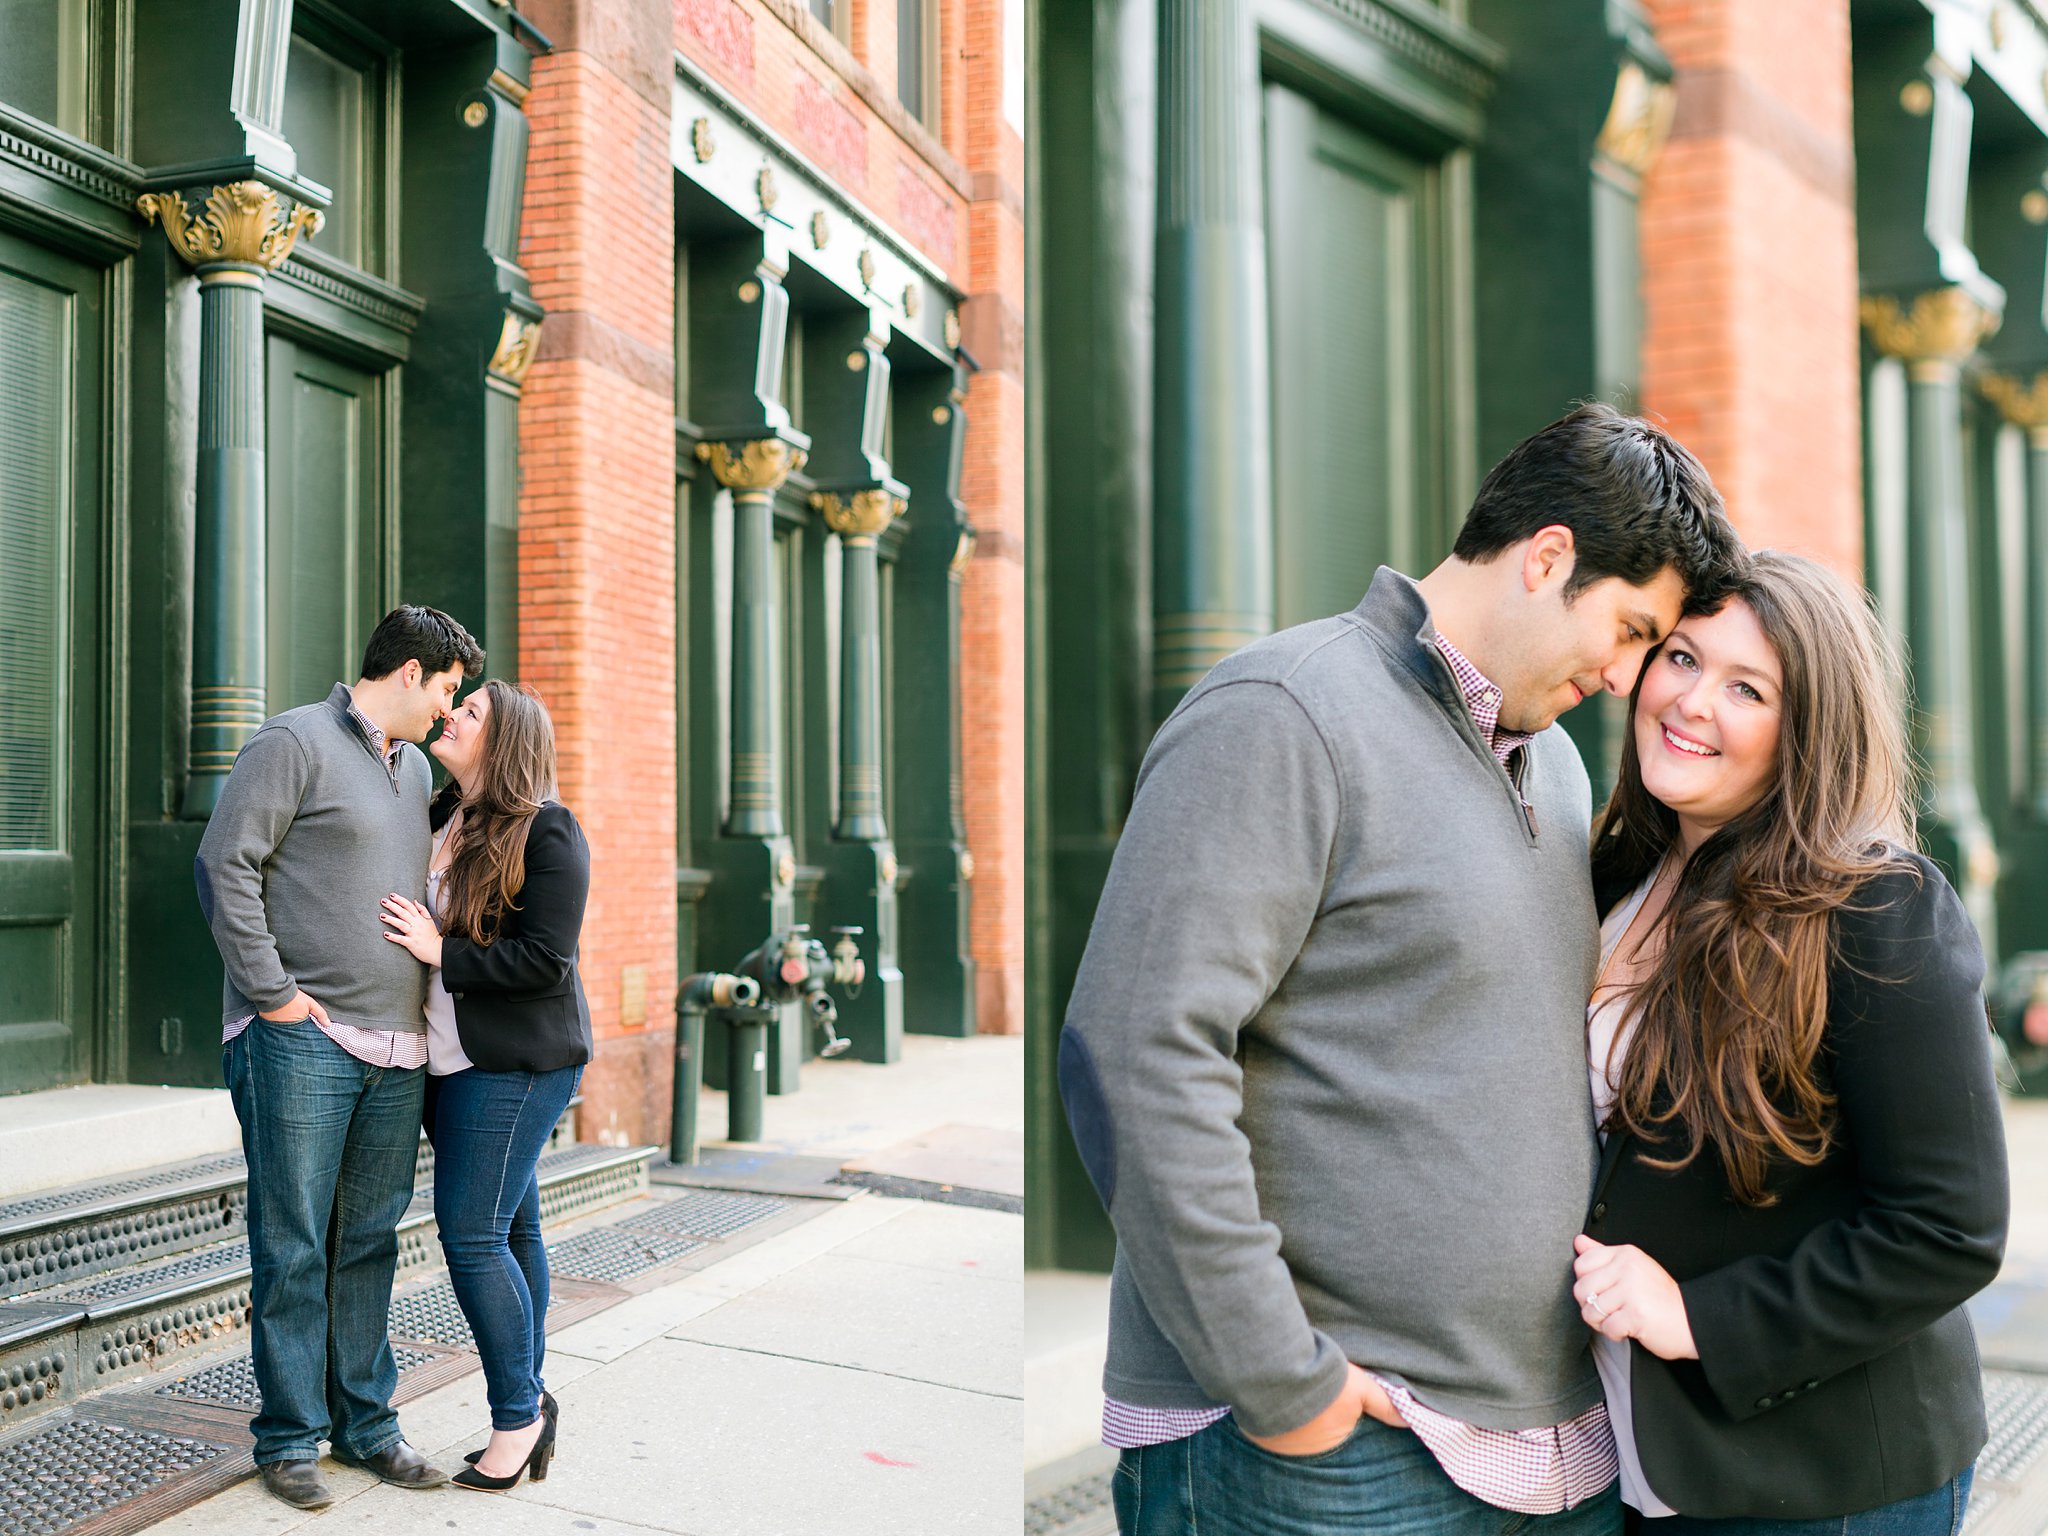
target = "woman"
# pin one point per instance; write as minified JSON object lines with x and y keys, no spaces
{"x":1804,"y":1171}
{"x":508,"y":1033}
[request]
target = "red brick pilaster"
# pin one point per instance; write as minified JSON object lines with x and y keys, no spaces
{"x":993,"y":488}
{"x":597,"y":595}
{"x":1750,"y":351}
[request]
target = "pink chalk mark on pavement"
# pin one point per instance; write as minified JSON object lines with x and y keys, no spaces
{"x":884,"y":1461}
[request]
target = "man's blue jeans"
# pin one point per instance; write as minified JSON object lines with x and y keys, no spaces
{"x":331,"y":1143}
{"x":488,"y":1129}
{"x":1380,"y":1482}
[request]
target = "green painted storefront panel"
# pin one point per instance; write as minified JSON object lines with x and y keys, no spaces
{"x":50,"y":340}
{"x":325,"y":522}
{"x":1348,"y":265}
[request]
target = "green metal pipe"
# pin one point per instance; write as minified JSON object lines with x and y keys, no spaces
{"x":746,"y":1087}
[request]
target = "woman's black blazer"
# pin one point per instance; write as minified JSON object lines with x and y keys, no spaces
{"x":1837,"y":1369}
{"x":519,"y":1004}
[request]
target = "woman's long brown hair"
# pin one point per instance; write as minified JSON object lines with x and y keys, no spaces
{"x":1731,"y":1017}
{"x":515,"y":776}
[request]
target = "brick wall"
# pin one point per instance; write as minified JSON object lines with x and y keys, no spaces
{"x":597,"y":515}
{"x":1750,"y":348}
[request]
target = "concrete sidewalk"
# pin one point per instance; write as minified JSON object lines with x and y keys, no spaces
{"x":854,"y":1375}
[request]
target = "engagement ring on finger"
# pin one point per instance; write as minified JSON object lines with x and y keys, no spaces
{"x":1593,"y":1301}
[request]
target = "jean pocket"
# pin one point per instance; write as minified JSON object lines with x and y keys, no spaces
{"x":1317,"y":1458}
{"x":286,"y":1023}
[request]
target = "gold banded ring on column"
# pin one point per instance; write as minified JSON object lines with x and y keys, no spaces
{"x":1186,"y":645}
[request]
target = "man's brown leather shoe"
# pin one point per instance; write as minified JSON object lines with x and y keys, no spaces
{"x":298,"y":1483}
{"x":401,"y":1466}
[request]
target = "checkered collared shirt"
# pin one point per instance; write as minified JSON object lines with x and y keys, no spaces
{"x":378,"y":1047}
{"x":1531,"y":1471}
{"x":1483,"y":699}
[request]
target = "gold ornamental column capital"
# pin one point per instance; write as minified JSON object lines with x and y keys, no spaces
{"x":518,"y":345}
{"x":759,"y":467}
{"x":1933,"y":338}
{"x":2022,"y":402}
{"x":244,"y":225}
{"x":1639,"y":118}
{"x":865,"y":515}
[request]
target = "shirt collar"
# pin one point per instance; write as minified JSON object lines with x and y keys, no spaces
{"x":1483,"y":699}
{"x":384,"y":750}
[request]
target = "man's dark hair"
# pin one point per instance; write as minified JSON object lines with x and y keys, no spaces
{"x":1635,"y":500}
{"x":411,"y":632}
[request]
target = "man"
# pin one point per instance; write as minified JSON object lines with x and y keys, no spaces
{"x":324,"y":1040}
{"x":1326,"y":1060}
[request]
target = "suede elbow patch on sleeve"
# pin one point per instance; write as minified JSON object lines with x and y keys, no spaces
{"x":1088,"y":1114}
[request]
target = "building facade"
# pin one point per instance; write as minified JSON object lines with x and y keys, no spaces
{"x":1318,"y":263}
{"x":671,"y":347}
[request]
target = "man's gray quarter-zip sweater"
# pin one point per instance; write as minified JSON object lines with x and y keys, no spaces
{"x":1325,"y":1059}
{"x":311,"y":834}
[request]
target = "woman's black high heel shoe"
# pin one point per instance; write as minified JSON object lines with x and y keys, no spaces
{"x":548,"y":1406}
{"x":536,"y":1465}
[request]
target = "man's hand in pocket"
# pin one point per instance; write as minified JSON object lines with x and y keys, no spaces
{"x":1361,"y":1398}
{"x":304,"y":1007}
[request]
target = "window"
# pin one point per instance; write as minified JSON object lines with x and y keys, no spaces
{"x":917,"y":58}
{"x":43,"y":63}
{"x":334,"y":120}
{"x":836,"y":14}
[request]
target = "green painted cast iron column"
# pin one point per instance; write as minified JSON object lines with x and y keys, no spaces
{"x":2037,"y":609}
{"x":1213,"y":530}
{"x":860,"y":520}
{"x":928,"y":828}
{"x":753,"y":472}
{"x":243,"y":234}
{"x":2025,"y":405}
{"x":1941,"y":329}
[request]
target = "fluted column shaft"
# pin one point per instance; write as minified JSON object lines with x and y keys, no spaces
{"x":859,"y":521}
{"x":243,"y":231}
{"x":1213,"y":527}
{"x":1934,"y":337}
{"x":229,"y":699}
{"x":753,"y":472}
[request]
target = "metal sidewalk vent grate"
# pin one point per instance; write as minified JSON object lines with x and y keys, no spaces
{"x":95,"y":1194}
{"x":610,"y":1254}
{"x":43,"y":1259}
{"x":56,"y":1477}
{"x":233,"y":1382}
{"x":433,"y":1316}
{"x":705,"y":1215}
{"x":223,"y":1261}
{"x":2017,"y":1405}
{"x":1079,"y":1509}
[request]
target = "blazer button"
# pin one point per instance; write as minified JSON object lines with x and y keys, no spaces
{"x":1600,"y":1210}
{"x":1811,"y":1385}
{"x":456,"y":996}
{"x":1765,"y":1402}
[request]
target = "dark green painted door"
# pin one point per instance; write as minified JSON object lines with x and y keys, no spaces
{"x":325,"y":555}
{"x":50,"y":665}
{"x":1351,"y":273}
